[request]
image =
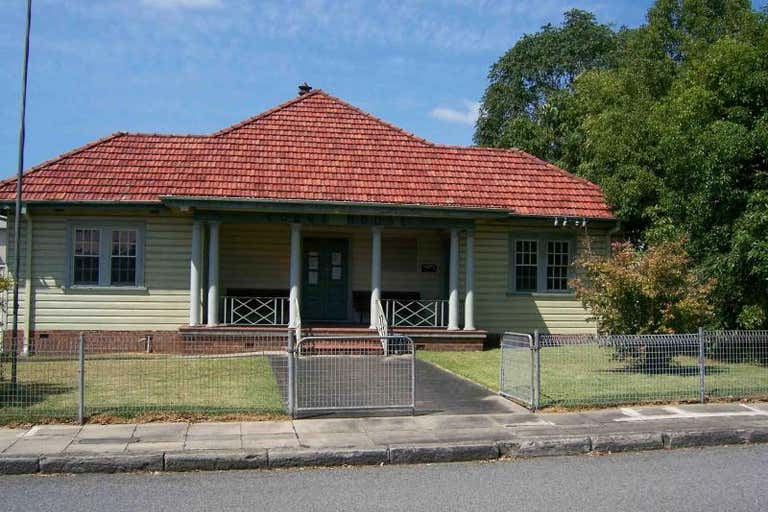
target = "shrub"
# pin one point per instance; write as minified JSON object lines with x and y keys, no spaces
{"x":644,"y":291}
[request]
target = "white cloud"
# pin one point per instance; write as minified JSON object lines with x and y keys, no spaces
{"x":182,"y":4}
{"x":452,"y":115}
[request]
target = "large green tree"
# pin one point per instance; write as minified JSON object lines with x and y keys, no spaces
{"x":674,"y":127}
{"x":517,"y":107}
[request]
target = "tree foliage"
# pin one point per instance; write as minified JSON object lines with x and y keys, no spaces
{"x":673,"y":124}
{"x":644,"y":291}
{"x":517,"y":107}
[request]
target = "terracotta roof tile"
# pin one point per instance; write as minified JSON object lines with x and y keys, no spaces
{"x":314,"y":147}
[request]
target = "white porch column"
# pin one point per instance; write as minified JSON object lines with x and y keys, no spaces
{"x":453,"y":282}
{"x":469,"y":282}
{"x":213,"y":273}
{"x":194,"y":274}
{"x":294,"y":275}
{"x":375,"y":272}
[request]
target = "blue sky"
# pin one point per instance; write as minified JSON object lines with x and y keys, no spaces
{"x":194,"y":66}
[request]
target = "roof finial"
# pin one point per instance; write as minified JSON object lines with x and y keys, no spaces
{"x":304,"y":89}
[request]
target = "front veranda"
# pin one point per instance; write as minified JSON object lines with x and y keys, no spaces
{"x":323,"y":272}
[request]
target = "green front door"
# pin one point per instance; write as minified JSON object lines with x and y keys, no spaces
{"x":325,"y":271}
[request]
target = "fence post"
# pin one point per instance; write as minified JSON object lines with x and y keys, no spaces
{"x":81,"y":380}
{"x":536,"y":371}
{"x":291,"y":350}
{"x":702,"y":366}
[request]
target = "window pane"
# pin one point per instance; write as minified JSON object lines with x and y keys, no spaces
{"x":557,"y":265}
{"x":526,"y":265}
{"x":123,"y":260}
{"x":86,"y":257}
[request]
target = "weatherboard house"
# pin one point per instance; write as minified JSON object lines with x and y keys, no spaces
{"x":313,"y":214}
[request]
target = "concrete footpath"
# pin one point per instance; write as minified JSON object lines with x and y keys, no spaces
{"x":377,"y":440}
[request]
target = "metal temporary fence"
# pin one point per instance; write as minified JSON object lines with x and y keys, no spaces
{"x":594,"y":370}
{"x":334,"y":373}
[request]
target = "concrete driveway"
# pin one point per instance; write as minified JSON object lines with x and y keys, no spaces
{"x":441,"y":392}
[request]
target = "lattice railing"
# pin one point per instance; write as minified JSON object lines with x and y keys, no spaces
{"x":416,"y":313}
{"x":256,"y":310}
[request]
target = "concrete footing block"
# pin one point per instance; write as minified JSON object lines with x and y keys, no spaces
{"x":298,"y":457}
{"x":554,"y":446}
{"x":117,"y":463}
{"x":213,"y":460}
{"x":705,"y":438}
{"x":415,"y":454}
{"x":614,"y":443}
{"x":19,"y":465}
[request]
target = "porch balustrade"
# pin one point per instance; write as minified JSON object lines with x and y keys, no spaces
{"x":416,"y":313}
{"x":269,"y":311}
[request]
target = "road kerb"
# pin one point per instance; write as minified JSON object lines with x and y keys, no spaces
{"x":301,"y":457}
{"x":117,"y":463}
{"x":442,"y":452}
{"x":213,"y":460}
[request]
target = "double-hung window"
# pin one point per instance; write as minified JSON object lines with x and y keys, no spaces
{"x":539,"y":264}
{"x":106,"y":255}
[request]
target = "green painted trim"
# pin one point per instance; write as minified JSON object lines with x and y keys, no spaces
{"x":332,"y":207}
{"x":331,"y":220}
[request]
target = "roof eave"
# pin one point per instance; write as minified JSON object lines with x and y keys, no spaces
{"x":331,"y":207}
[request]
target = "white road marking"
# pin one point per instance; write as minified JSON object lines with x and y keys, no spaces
{"x":32,"y":431}
{"x":531,"y":424}
{"x":678,"y":413}
{"x":631,"y":412}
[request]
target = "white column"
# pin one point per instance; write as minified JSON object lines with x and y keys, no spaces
{"x":194,"y":274}
{"x":213,"y":273}
{"x":453,"y":282}
{"x":294,"y":275}
{"x":375,"y":272}
{"x":469,"y":282}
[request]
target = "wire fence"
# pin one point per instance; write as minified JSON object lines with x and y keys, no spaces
{"x":356,"y":372}
{"x":130,"y":374}
{"x":97,"y":375}
{"x":594,"y":370}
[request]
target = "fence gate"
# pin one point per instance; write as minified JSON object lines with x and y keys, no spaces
{"x":517,"y":376}
{"x":343,"y":373}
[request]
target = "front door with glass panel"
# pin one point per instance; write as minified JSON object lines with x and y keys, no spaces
{"x":324,"y":279}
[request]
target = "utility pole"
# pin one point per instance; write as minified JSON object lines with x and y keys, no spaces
{"x":17,"y":216}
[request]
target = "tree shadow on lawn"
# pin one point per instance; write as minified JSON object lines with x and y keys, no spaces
{"x":28,"y":395}
{"x":678,"y":370}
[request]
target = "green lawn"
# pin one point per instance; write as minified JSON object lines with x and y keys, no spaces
{"x":125,"y":385}
{"x":577,"y":376}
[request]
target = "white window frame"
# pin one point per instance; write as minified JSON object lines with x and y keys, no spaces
{"x":542,"y":263}
{"x":105,"y":229}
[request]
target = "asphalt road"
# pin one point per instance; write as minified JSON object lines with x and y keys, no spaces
{"x":716,"y":479}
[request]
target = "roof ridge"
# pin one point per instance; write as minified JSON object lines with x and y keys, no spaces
{"x":62,"y":156}
{"x":266,"y":113}
{"x":530,"y":155}
{"x":379,"y":120}
{"x":321,"y":92}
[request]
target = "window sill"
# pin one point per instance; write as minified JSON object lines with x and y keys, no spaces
{"x":97,"y":288}
{"x":541,"y":294}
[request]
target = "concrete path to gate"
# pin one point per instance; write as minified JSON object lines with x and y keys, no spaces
{"x":441,"y":392}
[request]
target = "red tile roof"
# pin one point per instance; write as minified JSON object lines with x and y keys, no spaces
{"x":314,"y":147}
